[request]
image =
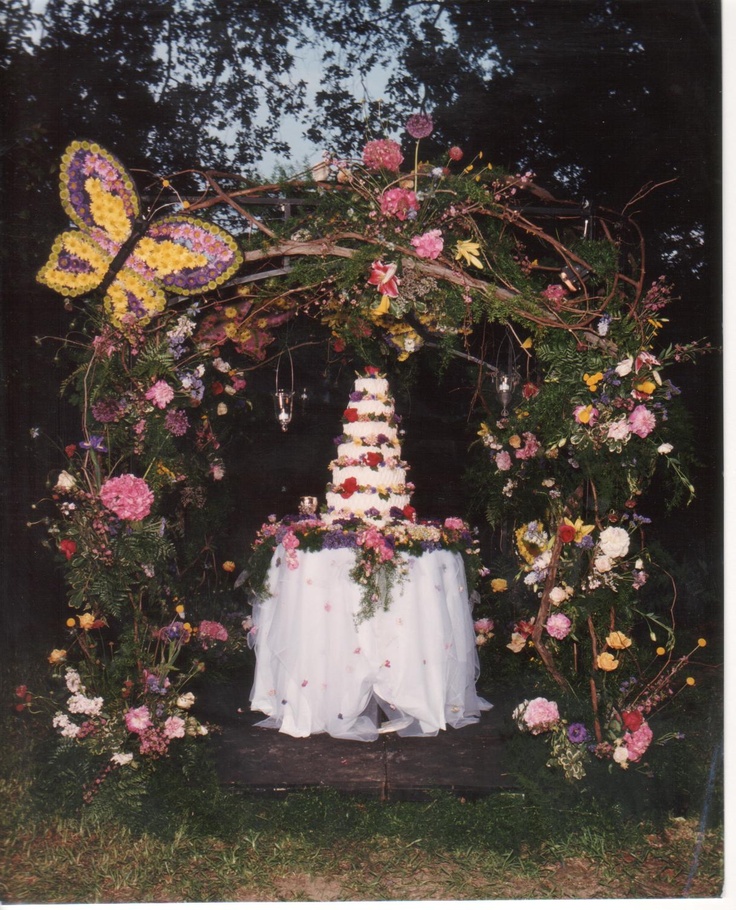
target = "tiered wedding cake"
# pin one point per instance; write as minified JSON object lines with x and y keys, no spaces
{"x":368,"y":475}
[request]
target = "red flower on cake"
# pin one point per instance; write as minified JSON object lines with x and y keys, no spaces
{"x":349,"y":486}
{"x":373,"y":459}
{"x":371,"y":371}
{"x":350,"y":414}
{"x":410,"y":513}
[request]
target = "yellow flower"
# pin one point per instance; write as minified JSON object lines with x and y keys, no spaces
{"x":618,"y":641}
{"x":606,"y":661}
{"x":527,"y":345}
{"x":690,"y":681}
{"x":647,"y":387}
{"x":581,"y":530}
{"x":231,"y":312}
{"x":180,"y":609}
{"x":383,"y":307}
{"x":57,"y":656}
{"x":228,"y":566}
{"x":661,"y":651}
{"x":702,"y":642}
{"x":108,"y":210}
{"x":71,"y":623}
{"x":515,"y":441}
{"x":592,"y":380}
{"x":86,"y":620}
{"x":585,"y":414}
{"x":468,"y":250}
{"x":498,"y":585}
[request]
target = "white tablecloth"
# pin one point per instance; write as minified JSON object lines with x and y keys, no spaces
{"x":318,"y":671}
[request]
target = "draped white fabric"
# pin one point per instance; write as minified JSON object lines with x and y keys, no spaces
{"x":318,"y":671}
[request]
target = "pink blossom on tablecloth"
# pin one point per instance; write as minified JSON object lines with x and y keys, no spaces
{"x":428,"y":245}
{"x":160,"y":394}
{"x":642,"y":421}
{"x":128,"y":496}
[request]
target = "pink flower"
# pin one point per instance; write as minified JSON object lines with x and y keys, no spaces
{"x":428,"y":245}
{"x":586,"y":414}
{"x":160,"y":393}
{"x":619,"y":429}
{"x":128,"y":496}
{"x":503,"y":461}
{"x":382,"y":154}
{"x":638,"y":742}
{"x":138,"y":719}
{"x":554,"y":292}
{"x":455,"y":153}
{"x":483,"y":626}
{"x":176,"y":422}
{"x":419,"y":126}
{"x":642,"y":421}
{"x":644,"y":358}
{"x":213,"y":630}
{"x":400,"y":203}
{"x":454,"y":524}
{"x":530,"y":448}
{"x":541,"y":715}
{"x":174,"y":727}
{"x":384,"y":278}
{"x":558,"y":625}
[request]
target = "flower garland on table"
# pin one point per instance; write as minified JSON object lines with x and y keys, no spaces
{"x":380,"y":552}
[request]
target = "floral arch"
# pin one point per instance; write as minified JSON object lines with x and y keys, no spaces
{"x":547,"y":301}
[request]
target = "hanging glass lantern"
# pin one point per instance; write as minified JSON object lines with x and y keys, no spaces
{"x":507,"y":376}
{"x":283,"y":399}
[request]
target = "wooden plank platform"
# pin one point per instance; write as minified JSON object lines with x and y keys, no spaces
{"x":468,"y":762}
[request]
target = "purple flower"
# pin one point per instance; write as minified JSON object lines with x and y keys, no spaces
{"x":419,"y":126}
{"x":176,"y":422}
{"x":96,"y":443}
{"x":577,"y":733}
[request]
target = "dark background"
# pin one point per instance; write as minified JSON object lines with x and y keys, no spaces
{"x":600,"y":99}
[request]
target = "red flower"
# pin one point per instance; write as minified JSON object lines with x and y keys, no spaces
{"x":371,"y":371}
{"x":529,"y":390}
{"x":456,"y":153}
{"x":349,"y":486}
{"x":350,"y":414}
{"x":410,"y":513}
{"x":384,"y":278}
{"x":373,"y":459}
{"x":217,"y":388}
{"x":70,"y":450}
{"x":566,"y":533}
{"x":632,"y":720}
{"x":68,"y":548}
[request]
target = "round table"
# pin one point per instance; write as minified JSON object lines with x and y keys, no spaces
{"x":318,"y":670}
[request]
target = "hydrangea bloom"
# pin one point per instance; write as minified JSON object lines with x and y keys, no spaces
{"x":128,"y":496}
{"x":382,"y":154}
{"x":399,"y":202}
{"x":540,"y":715}
{"x":428,"y":245}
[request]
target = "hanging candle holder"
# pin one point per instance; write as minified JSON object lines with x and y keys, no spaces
{"x":283,"y":399}
{"x":507,"y":376}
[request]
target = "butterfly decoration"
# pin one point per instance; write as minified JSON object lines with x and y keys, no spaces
{"x":133,"y":260}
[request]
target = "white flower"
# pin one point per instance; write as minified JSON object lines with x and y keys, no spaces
{"x":557,"y":595}
{"x":186,"y":700}
{"x":614,"y":542}
{"x":222,"y":365}
{"x":221,"y":409}
{"x":624,"y":368}
{"x":64,"y":725}
{"x":619,"y":429}
{"x":665,"y":448}
{"x":73,"y":681}
{"x":621,"y":755}
{"x":603,"y":564}
{"x":80,"y":704}
{"x":122,"y":758}
{"x":65,"y":482}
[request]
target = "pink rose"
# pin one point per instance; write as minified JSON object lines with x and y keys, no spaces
{"x":138,"y":719}
{"x":642,"y":421}
{"x":541,"y":715}
{"x":483,"y":626}
{"x":429,"y":245}
{"x":128,"y":496}
{"x":455,"y":524}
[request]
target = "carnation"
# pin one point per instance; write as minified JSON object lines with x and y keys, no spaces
{"x":174,"y":727}
{"x":128,"y":496}
{"x":558,"y":625}
{"x":382,"y":154}
{"x":614,"y":542}
{"x":138,"y":719}
{"x":642,"y":421}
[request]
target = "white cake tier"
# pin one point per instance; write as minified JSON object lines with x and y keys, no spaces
{"x":372,"y":385}
{"x":356,"y":450}
{"x":384,"y":410}
{"x":369,"y":429}
{"x":360,"y":503}
{"x":372,"y":457}
{"x":381,"y":478}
